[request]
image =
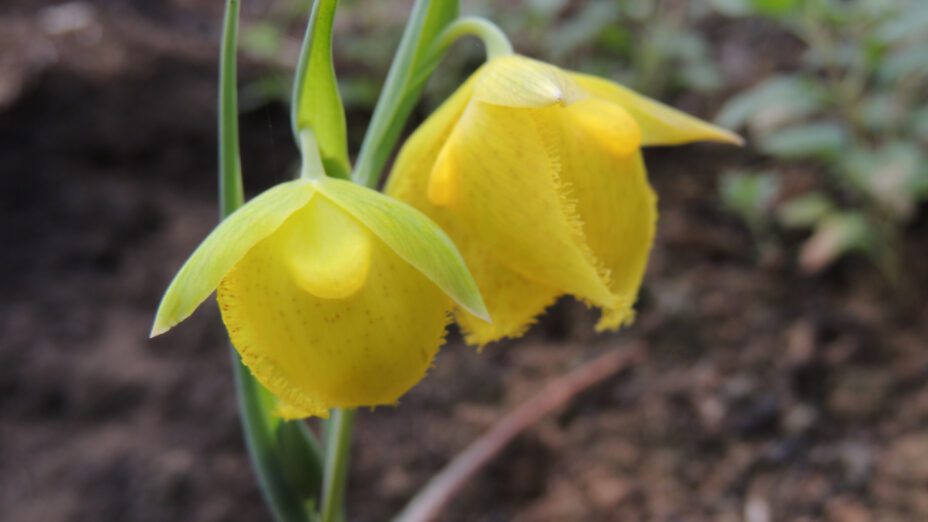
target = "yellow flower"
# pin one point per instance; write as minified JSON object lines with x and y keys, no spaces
{"x":537,"y":176}
{"x":334,"y":295}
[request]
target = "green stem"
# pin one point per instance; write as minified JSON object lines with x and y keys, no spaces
{"x":311,"y":167}
{"x":495,"y":41}
{"x":259,"y":427}
{"x":231,"y":195}
{"x":338,"y":444}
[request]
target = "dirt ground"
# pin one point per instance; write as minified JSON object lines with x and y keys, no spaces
{"x":764,"y":395}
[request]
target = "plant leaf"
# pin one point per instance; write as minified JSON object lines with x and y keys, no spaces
{"x":774,"y":7}
{"x":750,"y":195}
{"x":411,"y":66}
{"x":774,"y":102}
{"x":805,"y":211}
{"x":812,"y":140}
{"x":224,"y":247}
{"x":414,"y":238}
{"x":316,"y":101}
{"x":834,"y":236}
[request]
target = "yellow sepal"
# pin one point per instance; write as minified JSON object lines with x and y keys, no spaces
{"x":412,"y":236}
{"x":660,"y":124}
{"x":520,"y":82}
{"x":224,"y":247}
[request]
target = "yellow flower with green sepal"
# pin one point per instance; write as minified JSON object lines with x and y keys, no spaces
{"x":334,"y":295}
{"x":537,"y":175}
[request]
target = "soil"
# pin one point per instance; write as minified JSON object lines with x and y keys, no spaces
{"x":764,"y":395}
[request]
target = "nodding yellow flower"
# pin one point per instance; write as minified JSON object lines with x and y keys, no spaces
{"x":334,"y":294}
{"x":537,"y":175}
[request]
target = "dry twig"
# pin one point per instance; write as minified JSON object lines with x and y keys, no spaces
{"x":426,"y":506}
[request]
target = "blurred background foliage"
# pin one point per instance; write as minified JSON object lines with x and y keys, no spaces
{"x":853,"y":115}
{"x":763,"y":391}
{"x":849,"y":115}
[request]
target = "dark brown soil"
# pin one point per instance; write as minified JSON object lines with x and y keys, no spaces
{"x":764,"y":394}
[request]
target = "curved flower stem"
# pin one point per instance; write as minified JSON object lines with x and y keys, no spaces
{"x":337,"y":446}
{"x":495,"y":41}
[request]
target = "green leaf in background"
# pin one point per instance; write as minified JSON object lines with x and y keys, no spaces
{"x":910,"y":61}
{"x":881,"y":111}
{"x":774,"y":7}
{"x":577,"y":31}
{"x":909,"y":22}
{"x":414,"y":238}
{"x":263,"y":40}
{"x":919,"y":122}
{"x":733,"y":8}
{"x":811,"y":140}
{"x":750,"y":195}
{"x":701,"y":75}
{"x":889,"y":175}
{"x":316,"y":101}
{"x":410,"y":69}
{"x":834,"y":236}
{"x":805,"y":211}
{"x":775,"y":102}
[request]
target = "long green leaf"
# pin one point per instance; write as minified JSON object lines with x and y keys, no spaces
{"x":316,"y":101}
{"x":231,"y":195}
{"x":403,"y":86}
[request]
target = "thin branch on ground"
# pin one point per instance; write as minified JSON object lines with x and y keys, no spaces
{"x":426,"y":506}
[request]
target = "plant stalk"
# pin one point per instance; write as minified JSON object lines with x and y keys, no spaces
{"x":335,"y":474}
{"x":493,"y":38}
{"x":231,"y":195}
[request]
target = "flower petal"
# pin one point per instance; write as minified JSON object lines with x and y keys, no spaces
{"x":514,"y":301}
{"x":331,"y":258}
{"x":512,"y":198}
{"x":506,"y":209}
{"x":660,"y":124}
{"x":517,"y":81}
{"x":412,"y":236}
{"x":317,"y":353}
{"x":617,"y":208}
{"x":420,"y":150}
{"x":224,"y":247}
{"x":606,"y":124}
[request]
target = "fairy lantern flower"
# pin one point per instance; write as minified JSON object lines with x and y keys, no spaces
{"x":537,"y":175}
{"x":334,"y":294}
